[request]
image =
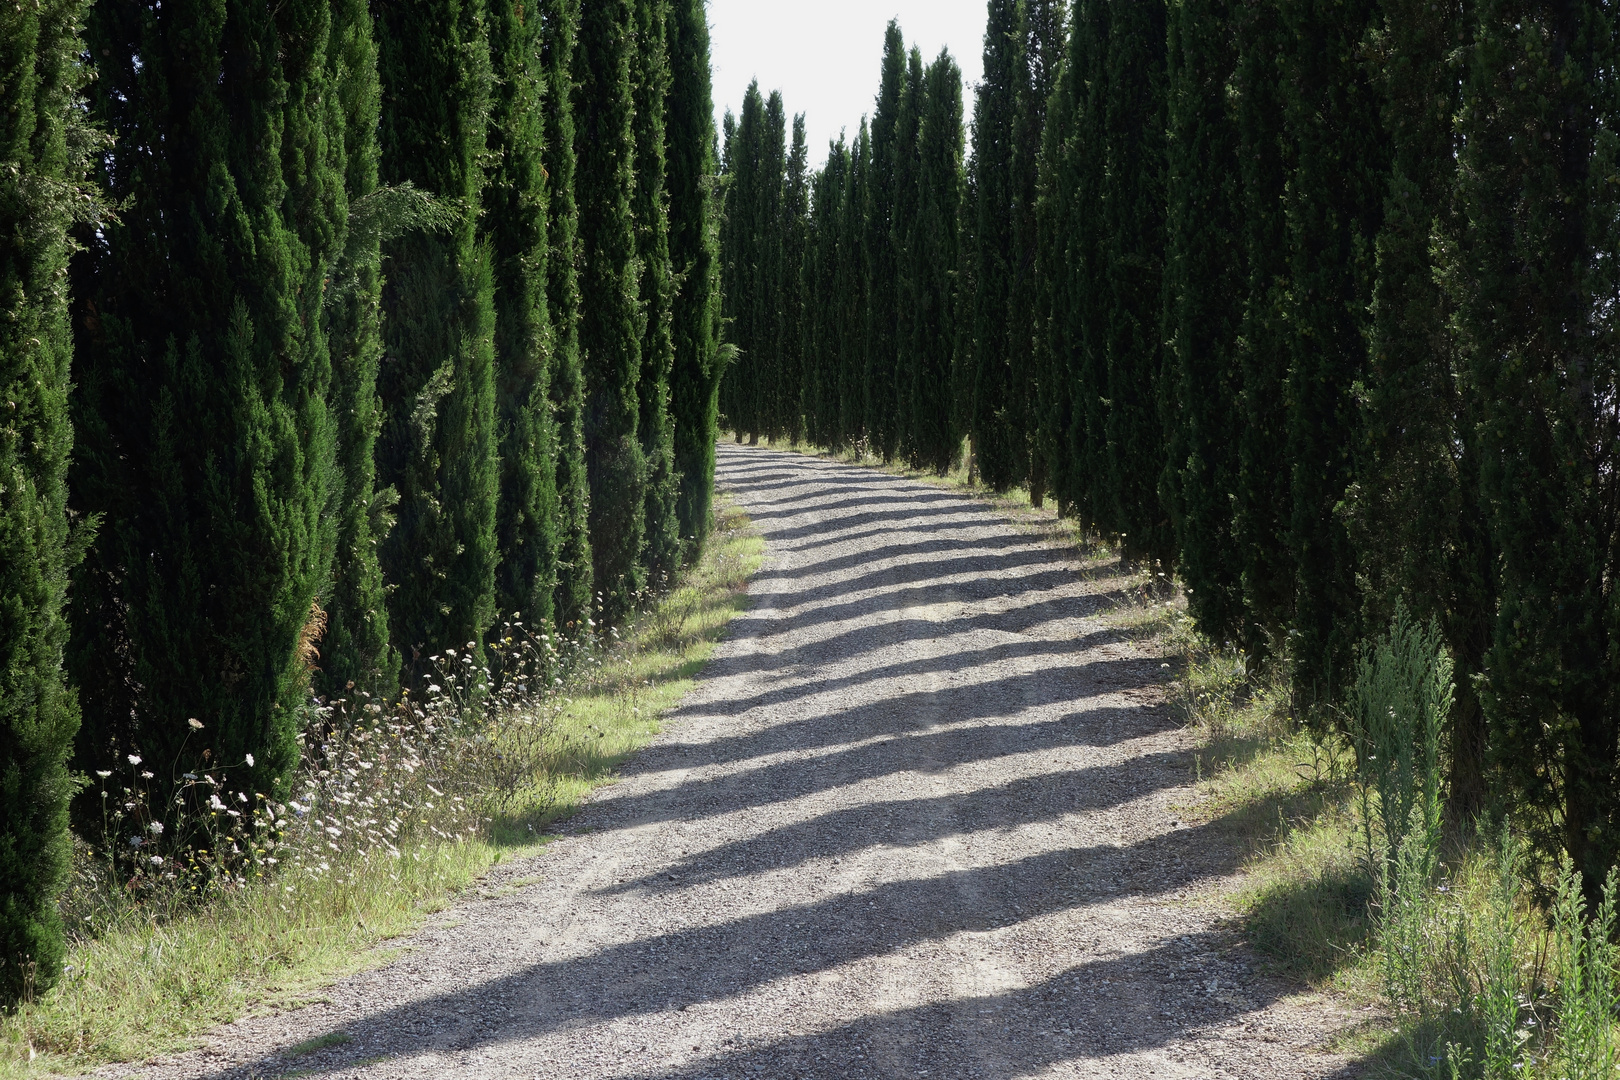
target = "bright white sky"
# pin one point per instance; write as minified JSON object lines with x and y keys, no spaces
{"x":826,"y":55}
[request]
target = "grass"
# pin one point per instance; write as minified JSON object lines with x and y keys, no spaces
{"x":152,"y":976}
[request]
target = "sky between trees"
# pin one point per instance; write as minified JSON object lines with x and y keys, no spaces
{"x":824,"y":57}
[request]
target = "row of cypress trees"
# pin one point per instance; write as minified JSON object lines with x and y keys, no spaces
{"x":1312,"y":304}
{"x":406,"y":323}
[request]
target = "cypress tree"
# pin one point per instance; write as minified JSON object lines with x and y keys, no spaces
{"x":823,"y":340}
{"x":650,"y":76}
{"x":42,"y":167}
{"x":1335,"y":202}
{"x":1415,"y":515}
{"x":1041,"y":34}
{"x":1203,"y":295}
{"x":907,"y":286}
{"x":744,"y":276}
{"x":794,"y":231}
{"x":609,"y":329}
{"x":766,"y":222}
{"x":438,"y":446}
{"x":571,"y":600}
{"x":694,"y":257}
{"x":854,"y":299}
{"x":995,"y":122}
{"x":206,"y":442}
{"x":1262,"y":509}
{"x":933,"y":257}
{"x":517,"y":236}
{"x":355,"y":650}
{"x":1133,"y":215}
{"x":881,"y":268}
{"x":1535,"y":275}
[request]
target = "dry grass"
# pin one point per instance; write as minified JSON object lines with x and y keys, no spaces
{"x":151,"y":971}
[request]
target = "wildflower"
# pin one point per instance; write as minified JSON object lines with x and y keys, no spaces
{"x":146,"y":776}
{"x":136,"y":841}
{"x":102,"y":774}
{"x":214,"y":803}
{"x":156,"y":828}
{"x":156,"y":860}
{"x":241,"y":798}
{"x":196,"y":724}
{"x":250,"y":761}
{"x":134,"y":759}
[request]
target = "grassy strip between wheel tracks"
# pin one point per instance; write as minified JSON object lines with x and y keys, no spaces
{"x":151,"y":980}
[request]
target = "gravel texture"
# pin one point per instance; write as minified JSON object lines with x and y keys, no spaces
{"x":918,"y":819}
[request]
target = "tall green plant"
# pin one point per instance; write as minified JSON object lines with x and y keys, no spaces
{"x":439,"y":446}
{"x":206,"y":438}
{"x":571,"y":600}
{"x":694,"y":258}
{"x":934,"y":254}
{"x":882,"y":266}
{"x":517,"y":210}
{"x":610,"y":329}
{"x":44,"y":147}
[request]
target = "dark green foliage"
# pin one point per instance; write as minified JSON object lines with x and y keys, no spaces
{"x":1264,"y":500}
{"x":438,"y":444}
{"x":769,"y":220}
{"x":794,"y":233}
{"x":1203,"y":296}
{"x":824,"y":342}
{"x":907,"y":285}
{"x":515,"y":222}
{"x":1415,"y":516}
{"x":933,"y":256}
{"x":881,"y":260}
{"x":610,"y":324}
{"x":355,"y":654}
{"x":997,"y":445}
{"x":694,"y":258}
{"x":43,"y":150}
{"x":853,"y":297}
{"x":1335,"y":204}
{"x":571,"y":601}
{"x":1536,"y":279}
{"x":650,"y":76}
{"x":1041,"y":35}
{"x":1070,"y":300}
{"x":205,"y":437}
{"x":1133,"y":248}
{"x":744,"y":280}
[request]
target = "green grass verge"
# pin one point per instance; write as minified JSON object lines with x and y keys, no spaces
{"x":151,"y":982}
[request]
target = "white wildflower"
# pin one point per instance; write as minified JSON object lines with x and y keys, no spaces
{"x":134,"y":759}
{"x":250,"y":761}
{"x":196,"y":724}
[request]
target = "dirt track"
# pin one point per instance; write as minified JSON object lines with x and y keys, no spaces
{"x":918,"y":819}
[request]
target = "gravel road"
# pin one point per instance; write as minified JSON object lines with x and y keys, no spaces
{"x":919,"y":819}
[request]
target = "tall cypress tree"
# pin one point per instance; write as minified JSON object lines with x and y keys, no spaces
{"x":206,"y":441}
{"x":794,"y":231}
{"x":1416,"y":519}
{"x":933,"y":257}
{"x":1041,"y":34}
{"x":355,"y":654}
{"x":907,"y":287}
{"x":1535,"y":275}
{"x":517,"y":210}
{"x":766,"y":221}
{"x":42,"y":167}
{"x":1263,"y":506}
{"x":438,"y":446}
{"x":744,"y":275}
{"x":694,"y":257}
{"x":571,"y":600}
{"x":1133,"y":214}
{"x":824,"y":341}
{"x":609,"y":330}
{"x":1335,"y":203}
{"x":995,"y":122}
{"x":881,"y":268}
{"x":650,"y":76}
{"x":1203,"y":295}
{"x":854,"y":297}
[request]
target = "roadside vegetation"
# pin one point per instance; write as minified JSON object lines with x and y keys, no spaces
{"x":394,"y":813}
